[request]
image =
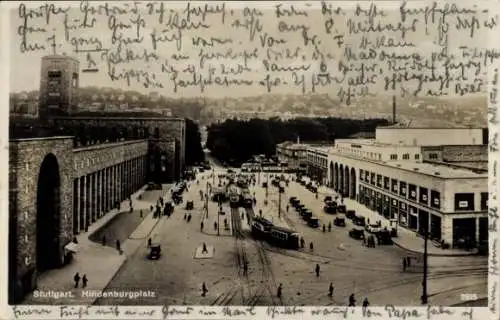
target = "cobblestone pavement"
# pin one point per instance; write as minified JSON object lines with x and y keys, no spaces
{"x":176,"y":278}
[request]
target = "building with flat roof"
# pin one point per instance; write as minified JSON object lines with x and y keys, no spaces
{"x":434,"y":179}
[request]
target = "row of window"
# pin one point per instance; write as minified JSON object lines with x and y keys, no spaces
{"x":463,"y":201}
{"x":406,"y":156}
{"x":321,"y":160}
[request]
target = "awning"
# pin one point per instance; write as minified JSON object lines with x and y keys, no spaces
{"x":73,"y":247}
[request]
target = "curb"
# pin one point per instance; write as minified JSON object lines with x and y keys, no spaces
{"x":434,"y":254}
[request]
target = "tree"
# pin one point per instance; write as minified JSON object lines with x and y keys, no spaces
{"x":194,"y":151}
{"x":236,"y":141}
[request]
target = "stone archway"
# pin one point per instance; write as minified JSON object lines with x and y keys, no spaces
{"x":332,"y":177}
{"x":353,"y":184}
{"x":345,"y":192}
{"x":341,"y":179}
{"x":48,"y":206}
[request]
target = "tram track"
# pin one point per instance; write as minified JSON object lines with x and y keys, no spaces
{"x":268,"y":281}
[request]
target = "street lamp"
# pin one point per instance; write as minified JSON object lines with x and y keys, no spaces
{"x":206,"y":200}
{"x":424,"y":281}
{"x":280,"y":191}
{"x":218,"y":216}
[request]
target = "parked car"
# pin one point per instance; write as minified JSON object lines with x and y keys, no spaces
{"x":350,"y":214}
{"x":357,"y":233}
{"x":327,"y":199}
{"x":306,"y":214}
{"x":293,"y":200}
{"x":339,"y":222}
{"x":341,"y":208}
{"x":330,"y":207}
{"x":359,"y":220}
{"x":189,"y":205}
{"x":384,"y":237}
{"x":313,"y":222}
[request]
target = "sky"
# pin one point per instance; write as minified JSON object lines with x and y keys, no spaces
{"x":30,"y":23}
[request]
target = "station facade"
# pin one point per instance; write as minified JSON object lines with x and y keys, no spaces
{"x":67,"y":171}
{"x":423,"y":178}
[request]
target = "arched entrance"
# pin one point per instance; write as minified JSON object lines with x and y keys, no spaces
{"x":341,"y":179}
{"x":331,"y":178}
{"x":346,"y":182}
{"x":353,"y":183}
{"x":48,"y":207}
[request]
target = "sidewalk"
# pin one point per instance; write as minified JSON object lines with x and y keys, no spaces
{"x":406,"y":239}
{"x":100,"y":263}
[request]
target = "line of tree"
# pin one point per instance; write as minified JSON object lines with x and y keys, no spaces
{"x":194,"y":150}
{"x":236,"y":141}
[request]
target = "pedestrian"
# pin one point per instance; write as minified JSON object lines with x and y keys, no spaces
{"x":316,"y":196}
{"x":150,"y":242}
{"x":245,"y":268}
{"x":84,"y":281}
{"x":201,"y":226}
{"x":189,"y":217}
{"x":311,"y":246}
{"x":330,"y":226}
{"x":215,"y":225}
{"x":104,"y":240}
{"x":365,"y":302}
{"x":404,"y":264}
{"x":204,"y":250}
{"x":342,"y":200}
{"x":352,"y":300}
{"x":330,"y":290}
{"x":118,"y":246}
{"x":324,"y":227}
{"x":317,"y":270}
{"x":75,"y":241}
{"x":185,"y":216}
{"x":408,"y":261}
{"x":204,"y":289}
{"x":151,"y":207}
{"x":302,"y":243}
{"x":141,"y":213}
{"x":287,"y":207}
{"x":76,"y":278}
{"x":280,"y":289}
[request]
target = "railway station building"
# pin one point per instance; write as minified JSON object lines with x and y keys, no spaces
{"x":67,"y":171}
{"x":423,"y":178}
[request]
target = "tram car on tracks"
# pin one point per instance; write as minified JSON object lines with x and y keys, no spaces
{"x":246,"y":199}
{"x":234,"y":196}
{"x":283,"y":237}
{"x":261,"y":228}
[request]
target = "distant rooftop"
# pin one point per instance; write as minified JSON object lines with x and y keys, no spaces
{"x":417,"y":126}
{"x":372,"y":142}
{"x":443,"y":171}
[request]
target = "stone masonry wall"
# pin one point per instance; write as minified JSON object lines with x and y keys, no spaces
{"x":25,"y":158}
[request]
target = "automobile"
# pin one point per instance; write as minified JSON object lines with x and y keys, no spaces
{"x":264,"y":184}
{"x":293,"y":200}
{"x":327,"y":199}
{"x":356,"y":233}
{"x":222,"y":213}
{"x":373,"y":228}
{"x":313,"y":189}
{"x":384,"y":237}
{"x":359,"y":220}
{"x":299,"y":207}
{"x":330,"y":207}
{"x":341,"y":208}
{"x":350,"y":214}
{"x":313,"y":222}
{"x":306,"y":214}
{"x":154,"y":251}
{"x":201,"y":169}
{"x":189,"y":205}
{"x":339,"y":222}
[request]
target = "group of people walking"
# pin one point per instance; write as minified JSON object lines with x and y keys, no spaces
{"x":77,"y":279}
